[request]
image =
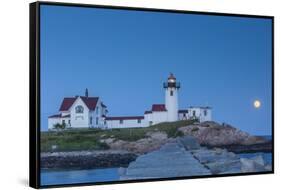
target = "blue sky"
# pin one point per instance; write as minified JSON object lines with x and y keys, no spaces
{"x":125,"y":56}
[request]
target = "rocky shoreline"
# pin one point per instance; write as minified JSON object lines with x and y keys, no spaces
{"x":86,"y":159}
{"x":121,"y":153}
{"x":120,"y":158}
{"x":209,"y":134}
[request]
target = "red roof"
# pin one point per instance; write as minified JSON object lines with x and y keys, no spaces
{"x":67,"y":103}
{"x":183,"y":111}
{"x":59,"y":116}
{"x":90,"y":102}
{"x":158,"y":107}
{"x":125,"y":118}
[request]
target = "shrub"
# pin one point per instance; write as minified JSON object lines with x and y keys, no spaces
{"x":59,"y":126}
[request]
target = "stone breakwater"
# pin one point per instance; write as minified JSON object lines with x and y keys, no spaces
{"x":86,"y":159}
{"x":186,"y":157}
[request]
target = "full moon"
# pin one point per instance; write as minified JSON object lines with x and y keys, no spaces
{"x":257,"y":104}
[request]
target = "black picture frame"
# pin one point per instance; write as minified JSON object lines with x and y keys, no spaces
{"x":34,"y":90}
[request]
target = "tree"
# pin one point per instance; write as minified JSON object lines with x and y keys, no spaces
{"x":59,"y":126}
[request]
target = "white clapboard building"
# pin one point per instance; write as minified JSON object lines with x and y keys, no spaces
{"x":90,"y":112}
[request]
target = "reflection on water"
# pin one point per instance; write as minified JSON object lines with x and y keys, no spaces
{"x":58,"y":177}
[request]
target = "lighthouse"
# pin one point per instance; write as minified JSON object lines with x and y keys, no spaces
{"x":171,"y":97}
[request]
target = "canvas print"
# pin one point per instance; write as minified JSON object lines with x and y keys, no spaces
{"x":138,"y":95}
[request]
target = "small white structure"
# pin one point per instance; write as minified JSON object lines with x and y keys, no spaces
{"x":90,"y":112}
{"x":201,"y":113}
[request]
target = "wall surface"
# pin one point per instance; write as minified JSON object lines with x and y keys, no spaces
{"x":171,"y":103}
{"x":158,"y":117}
{"x":14,"y":75}
{"x":79,"y":120}
{"x":128,"y":123}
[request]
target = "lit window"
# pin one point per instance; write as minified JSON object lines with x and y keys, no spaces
{"x":79,"y":109}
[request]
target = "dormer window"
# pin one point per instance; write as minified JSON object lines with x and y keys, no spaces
{"x":79,"y":109}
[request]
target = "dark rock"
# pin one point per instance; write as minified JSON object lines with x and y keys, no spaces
{"x":237,"y":148}
{"x":89,"y":160}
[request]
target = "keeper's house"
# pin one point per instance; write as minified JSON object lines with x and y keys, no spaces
{"x":90,"y":112}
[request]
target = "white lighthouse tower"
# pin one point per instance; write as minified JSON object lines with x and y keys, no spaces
{"x":171,"y":97}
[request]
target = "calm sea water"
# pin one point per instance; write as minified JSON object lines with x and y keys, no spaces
{"x":57,"y":177}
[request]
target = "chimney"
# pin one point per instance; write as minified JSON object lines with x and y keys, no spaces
{"x":86,"y":92}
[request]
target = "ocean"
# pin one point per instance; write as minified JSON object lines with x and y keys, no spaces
{"x":59,"y":177}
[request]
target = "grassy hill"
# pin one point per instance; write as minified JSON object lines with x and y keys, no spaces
{"x":89,"y":139}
